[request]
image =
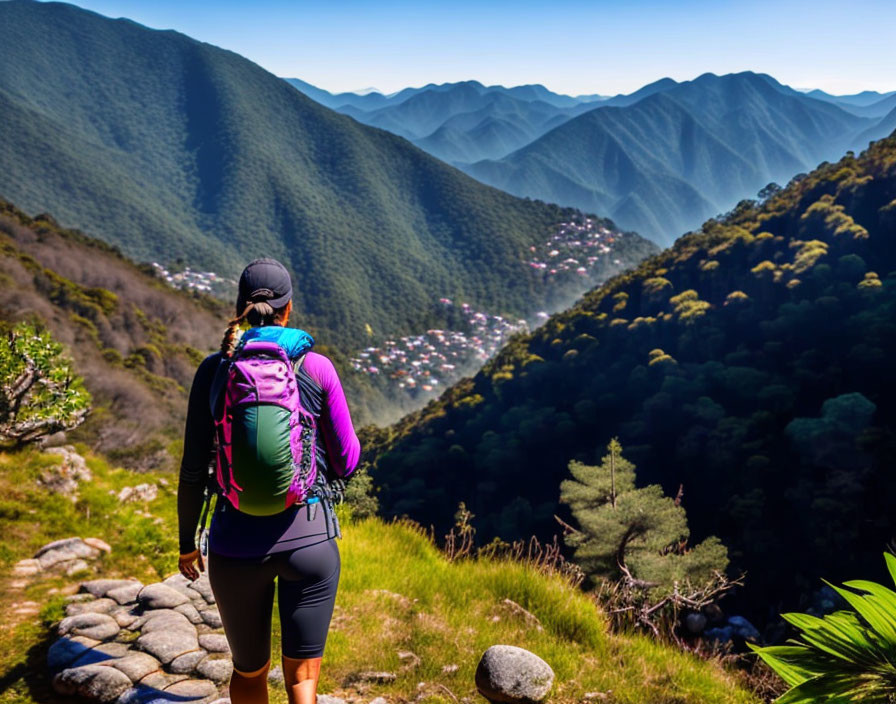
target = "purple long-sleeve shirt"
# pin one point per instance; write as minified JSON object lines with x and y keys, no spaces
{"x":240,"y":535}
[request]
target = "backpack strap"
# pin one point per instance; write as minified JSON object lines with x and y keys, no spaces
{"x":219,"y":381}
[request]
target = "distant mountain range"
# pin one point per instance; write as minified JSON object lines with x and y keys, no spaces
{"x":659,"y":160}
{"x":174,"y":149}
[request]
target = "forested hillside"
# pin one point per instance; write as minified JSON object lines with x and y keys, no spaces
{"x":174,"y":150}
{"x":135,"y":340}
{"x":749,"y":364}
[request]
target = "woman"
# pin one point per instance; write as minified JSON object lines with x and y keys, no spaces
{"x":296,"y":547}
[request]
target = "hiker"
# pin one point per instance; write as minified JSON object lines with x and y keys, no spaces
{"x":274,"y":415}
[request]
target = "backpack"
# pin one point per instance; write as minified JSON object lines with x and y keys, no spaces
{"x":266,"y":458}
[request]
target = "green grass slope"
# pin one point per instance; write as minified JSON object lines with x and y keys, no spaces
{"x":712,"y":141}
{"x":750,"y":363}
{"x":170,"y":148}
{"x":397,"y":593}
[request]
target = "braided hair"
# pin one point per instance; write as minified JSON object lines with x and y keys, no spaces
{"x":256,"y":312}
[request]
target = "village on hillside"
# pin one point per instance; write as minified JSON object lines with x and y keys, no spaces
{"x":437,"y":358}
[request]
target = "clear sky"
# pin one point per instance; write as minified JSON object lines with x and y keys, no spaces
{"x":571,"y":46}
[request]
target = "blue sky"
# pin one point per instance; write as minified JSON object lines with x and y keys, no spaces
{"x":570,"y":46}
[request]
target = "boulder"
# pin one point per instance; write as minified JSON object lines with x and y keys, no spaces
{"x":165,"y":645}
{"x":695,"y":622}
{"x":90,"y":625}
{"x":193,"y":689}
{"x":202,"y":586}
{"x":125,"y":594}
{"x":188,"y":610}
{"x":66,"y":550}
{"x":100,"y":545}
{"x":136,"y":665}
{"x":101,"y":654}
{"x":167,"y":620}
{"x":216,"y":668}
{"x":186,"y":663}
{"x":73,"y":567}
{"x":96,"y":606}
{"x":99,"y":587}
{"x":103,"y":684}
{"x":212,"y":617}
{"x":139,"y":493}
{"x":329,"y":699}
{"x":160,"y":596}
{"x":513,"y":675}
{"x":214,"y":642}
{"x":66,"y":650}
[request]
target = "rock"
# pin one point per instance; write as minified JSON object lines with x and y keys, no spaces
{"x":695,"y":623}
{"x":193,"y":689}
{"x":202,"y":586}
{"x":165,"y":645}
{"x":275,"y":675}
{"x":329,"y":699}
{"x":100,"y":545}
{"x":722,"y":634}
{"x":190,"y":612}
{"x":186,"y":663}
{"x":124,"y":618}
{"x":76,"y":567}
{"x":161,"y":680}
{"x":222,"y":700}
{"x":136,"y":665}
{"x":139,"y":493}
{"x":125,"y":594}
{"x":65,"y":477}
{"x":212,"y":617}
{"x":160,"y":596}
{"x":167,"y":620}
{"x":66,"y":650}
{"x":513,"y":675}
{"x":408,"y":659}
{"x":103,"y":684}
{"x":214,"y":643}
{"x":26,"y":568}
{"x":90,"y":625}
{"x":96,"y":606}
{"x":61,"y":551}
{"x":101,"y":654}
{"x":379,"y":700}
{"x":216,"y":668}
{"x":375,"y":677}
{"x":99,"y":587}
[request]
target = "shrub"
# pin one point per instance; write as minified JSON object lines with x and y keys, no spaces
{"x":39,"y":392}
{"x":847,"y":656}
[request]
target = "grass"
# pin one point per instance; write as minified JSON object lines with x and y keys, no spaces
{"x":397,"y":593}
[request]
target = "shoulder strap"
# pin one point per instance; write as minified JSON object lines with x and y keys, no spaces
{"x":297,"y":365}
{"x":219,"y":380}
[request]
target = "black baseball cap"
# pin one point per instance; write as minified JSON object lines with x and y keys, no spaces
{"x":264,"y":280}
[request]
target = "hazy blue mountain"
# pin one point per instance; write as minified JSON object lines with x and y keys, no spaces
{"x":460,"y":122}
{"x":683,"y":153}
{"x":174,"y":149}
{"x":863,"y":99}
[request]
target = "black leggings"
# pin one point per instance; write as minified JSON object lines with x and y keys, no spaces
{"x":307,"y":578}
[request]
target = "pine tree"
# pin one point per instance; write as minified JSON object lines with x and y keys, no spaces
{"x":637,"y":533}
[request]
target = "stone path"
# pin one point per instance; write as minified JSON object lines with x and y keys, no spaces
{"x":124,"y":642}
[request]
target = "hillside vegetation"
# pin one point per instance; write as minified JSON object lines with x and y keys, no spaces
{"x":750,"y":364}
{"x":134,"y":339}
{"x":397,"y":593}
{"x":174,"y":150}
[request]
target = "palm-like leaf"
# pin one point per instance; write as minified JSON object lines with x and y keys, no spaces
{"x":847,"y":657}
